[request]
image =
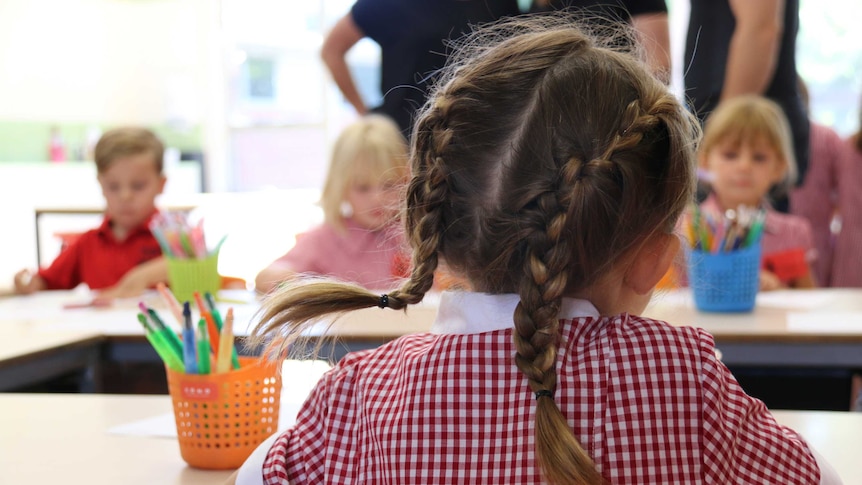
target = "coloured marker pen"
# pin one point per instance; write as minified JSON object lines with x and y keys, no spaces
{"x":171,"y":302}
{"x":211,"y":304}
{"x":226,"y":347}
{"x":206,"y":315}
{"x":203,"y":348}
{"x":220,"y":325}
{"x":159,"y":326}
{"x":162,"y":348}
{"x":189,"y":349}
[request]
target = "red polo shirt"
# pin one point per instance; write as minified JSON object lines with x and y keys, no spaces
{"x":98,"y":259}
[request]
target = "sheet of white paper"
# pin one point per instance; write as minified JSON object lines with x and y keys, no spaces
{"x":825,"y":322}
{"x":784,"y":299}
{"x":794,"y":299}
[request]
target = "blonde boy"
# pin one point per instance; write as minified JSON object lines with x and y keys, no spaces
{"x":120,"y":257}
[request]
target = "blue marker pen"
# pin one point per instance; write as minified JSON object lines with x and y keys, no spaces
{"x":189,"y":348}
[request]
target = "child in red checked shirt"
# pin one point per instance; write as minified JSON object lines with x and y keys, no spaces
{"x":549,"y":171}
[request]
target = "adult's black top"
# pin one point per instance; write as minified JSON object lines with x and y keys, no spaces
{"x":619,"y":10}
{"x":710,"y":29}
{"x":413,"y":36}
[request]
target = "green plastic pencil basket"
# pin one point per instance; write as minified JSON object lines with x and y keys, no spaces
{"x":187,"y":276}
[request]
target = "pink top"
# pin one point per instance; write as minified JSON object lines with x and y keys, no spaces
{"x":649,"y":402}
{"x":817,"y":199}
{"x":847,"y":265}
{"x":369,"y":258}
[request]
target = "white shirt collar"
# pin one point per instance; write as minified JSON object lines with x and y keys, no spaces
{"x":464,"y":312}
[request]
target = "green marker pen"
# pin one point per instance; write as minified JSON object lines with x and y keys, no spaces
{"x":213,"y":310}
{"x":161,"y":347}
{"x":169,"y":335}
{"x":203,"y":348}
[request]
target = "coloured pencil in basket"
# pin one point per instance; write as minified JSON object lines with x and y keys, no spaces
{"x":203,"y":349}
{"x":733,"y":230}
{"x":179,"y":238}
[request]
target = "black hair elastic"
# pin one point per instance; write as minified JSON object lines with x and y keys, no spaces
{"x":384,"y":301}
{"x":544,"y":393}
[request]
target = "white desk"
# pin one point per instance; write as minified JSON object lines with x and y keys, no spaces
{"x":63,"y":438}
{"x":775,"y":334}
{"x":835,"y":435}
{"x":50,"y":438}
{"x":787,"y":328}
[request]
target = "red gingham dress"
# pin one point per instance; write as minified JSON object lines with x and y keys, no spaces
{"x":648,"y":401}
{"x":847,"y":266}
{"x":818,"y":198}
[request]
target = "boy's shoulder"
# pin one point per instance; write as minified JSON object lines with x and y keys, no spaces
{"x":72,"y":239}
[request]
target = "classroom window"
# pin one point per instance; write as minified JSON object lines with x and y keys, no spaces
{"x":283,"y":111}
{"x":828,"y":57}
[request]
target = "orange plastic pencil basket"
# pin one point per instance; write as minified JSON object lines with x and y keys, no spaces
{"x":222,"y":418}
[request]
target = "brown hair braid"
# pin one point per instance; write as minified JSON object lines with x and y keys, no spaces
{"x":541,"y":160}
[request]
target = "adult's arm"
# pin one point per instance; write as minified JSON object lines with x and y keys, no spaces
{"x":754,"y":46}
{"x":653,"y":34}
{"x":343,"y":36}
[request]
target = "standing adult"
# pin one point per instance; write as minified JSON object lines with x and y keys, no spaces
{"x":413,"y":44}
{"x":736,"y":47}
{"x":648,"y":18}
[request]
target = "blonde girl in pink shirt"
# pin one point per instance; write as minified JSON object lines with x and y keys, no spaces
{"x":747,"y":151}
{"x":360,"y":241}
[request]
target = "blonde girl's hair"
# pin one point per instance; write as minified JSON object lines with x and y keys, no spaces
{"x":748,"y":119}
{"x":371,"y":150}
{"x":128,"y":141}
{"x":541,"y":159}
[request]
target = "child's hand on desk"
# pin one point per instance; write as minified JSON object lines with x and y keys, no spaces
{"x":120,"y":290}
{"x":769,"y":282}
{"x":136,"y":281}
{"x":27,"y":282}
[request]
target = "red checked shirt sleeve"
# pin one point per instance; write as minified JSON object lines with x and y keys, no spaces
{"x":297,"y":455}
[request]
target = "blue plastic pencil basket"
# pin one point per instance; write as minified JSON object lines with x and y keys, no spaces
{"x":725,"y":282}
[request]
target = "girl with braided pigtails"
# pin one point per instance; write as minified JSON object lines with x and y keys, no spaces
{"x":549,"y":171}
